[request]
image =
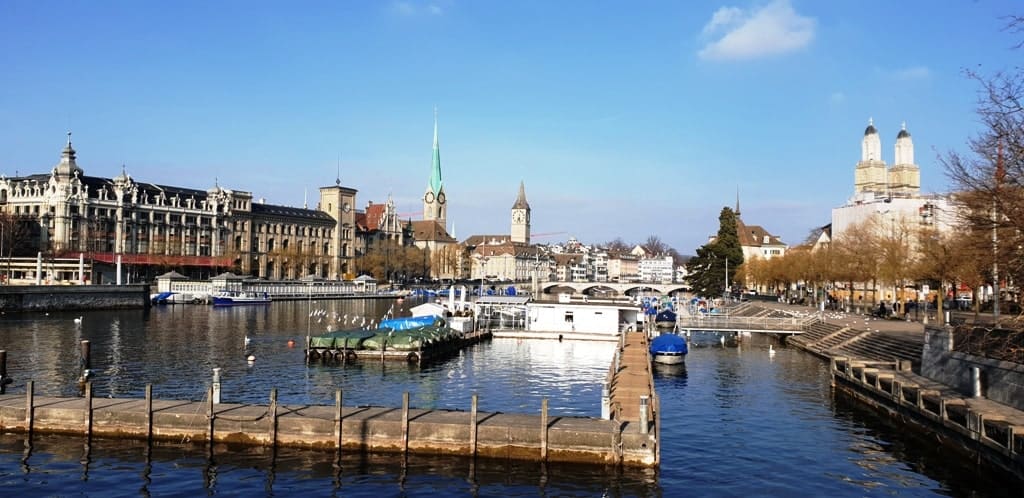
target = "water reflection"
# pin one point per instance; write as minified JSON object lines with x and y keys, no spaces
{"x":238,"y":470}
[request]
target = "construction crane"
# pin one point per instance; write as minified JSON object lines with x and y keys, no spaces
{"x":546,"y":234}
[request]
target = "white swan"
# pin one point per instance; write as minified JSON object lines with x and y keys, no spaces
{"x":78,"y":321}
{"x":771,"y":350}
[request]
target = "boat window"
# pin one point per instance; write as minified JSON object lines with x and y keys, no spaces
{"x":568,"y":317}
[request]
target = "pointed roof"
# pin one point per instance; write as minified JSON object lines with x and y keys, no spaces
{"x":521,"y":199}
{"x":435,"y":162}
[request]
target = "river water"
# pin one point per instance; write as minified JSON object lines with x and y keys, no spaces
{"x":735,"y":421}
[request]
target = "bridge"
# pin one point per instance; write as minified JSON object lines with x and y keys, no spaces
{"x":610,"y":289}
{"x":762,"y":324}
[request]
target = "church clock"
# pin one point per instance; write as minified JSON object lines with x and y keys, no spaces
{"x":440,"y":198}
{"x":429,"y":197}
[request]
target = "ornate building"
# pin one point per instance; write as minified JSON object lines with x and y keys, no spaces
{"x":156,"y":227}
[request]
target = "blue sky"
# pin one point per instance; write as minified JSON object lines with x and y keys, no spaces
{"x":624,"y":119}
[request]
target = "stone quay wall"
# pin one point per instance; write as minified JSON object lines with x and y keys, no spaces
{"x":63,"y":297}
{"x":1001,"y":381}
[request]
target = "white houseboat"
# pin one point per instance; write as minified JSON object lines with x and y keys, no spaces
{"x":567,"y":318}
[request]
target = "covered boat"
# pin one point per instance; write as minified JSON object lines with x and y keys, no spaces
{"x":668,"y":348}
{"x":666,"y":318}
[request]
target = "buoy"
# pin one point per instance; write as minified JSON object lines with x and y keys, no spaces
{"x":291,"y":343}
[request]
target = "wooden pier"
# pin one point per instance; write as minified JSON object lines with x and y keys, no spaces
{"x":631,"y":399}
{"x":530,"y":437}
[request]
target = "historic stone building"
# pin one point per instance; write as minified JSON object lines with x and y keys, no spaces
{"x":156,"y":227}
{"x":890,"y":196}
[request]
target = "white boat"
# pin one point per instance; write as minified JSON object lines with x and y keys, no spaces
{"x":235,"y":298}
{"x":669,"y":349}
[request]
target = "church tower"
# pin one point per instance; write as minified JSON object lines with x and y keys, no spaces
{"x":435,"y":205}
{"x":905,"y":176}
{"x":521,"y":218}
{"x":870,"y":174}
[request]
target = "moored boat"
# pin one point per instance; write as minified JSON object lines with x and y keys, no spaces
{"x":668,"y":349}
{"x":232,"y":298}
{"x":665,"y":319}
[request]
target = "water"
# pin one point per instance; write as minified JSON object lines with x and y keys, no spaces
{"x":736,"y":422}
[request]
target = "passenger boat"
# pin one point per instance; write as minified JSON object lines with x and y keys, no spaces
{"x":668,"y":349}
{"x":232,"y":298}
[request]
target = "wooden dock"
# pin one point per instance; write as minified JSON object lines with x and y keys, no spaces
{"x":529,"y":437}
{"x":632,"y":400}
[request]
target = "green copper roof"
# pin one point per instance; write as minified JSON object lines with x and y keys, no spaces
{"x":435,"y":164}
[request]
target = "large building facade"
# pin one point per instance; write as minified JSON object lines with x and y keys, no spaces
{"x":68,"y":213}
{"x":890,"y":196}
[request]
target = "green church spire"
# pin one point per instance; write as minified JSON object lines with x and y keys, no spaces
{"x":435,"y":163}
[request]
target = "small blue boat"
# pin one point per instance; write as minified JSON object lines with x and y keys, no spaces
{"x":669,"y":349}
{"x":665,"y":319}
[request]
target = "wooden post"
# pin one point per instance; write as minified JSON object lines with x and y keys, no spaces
{"x":86,"y":361}
{"x":149,"y":413}
{"x":273,"y":417}
{"x":3,"y":371}
{"x":338,"y":417}
{"x":29,"y":405}
{"x":88,"y":410}
{"x":405,"y":422}
{"x":473,"y":424}
{"x":544,"y":430}
{"x":209,"y":415}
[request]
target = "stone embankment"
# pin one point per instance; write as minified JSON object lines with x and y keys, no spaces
{"x":898,"y":368}
{"x":68,"y":297}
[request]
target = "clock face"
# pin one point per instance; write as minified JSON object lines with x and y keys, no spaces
{"x":429,"y":197}
{"x":517,"y":216}
{"x":440,"y":197}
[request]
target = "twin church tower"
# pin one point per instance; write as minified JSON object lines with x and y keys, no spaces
{"x":435,"y":201}
{"x":872,"y":176}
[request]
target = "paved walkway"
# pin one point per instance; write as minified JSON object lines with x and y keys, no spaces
{"x":901,"y":328}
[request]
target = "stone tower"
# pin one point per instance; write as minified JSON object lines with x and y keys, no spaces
{"x":521,"y":218}
{"x":904,"y":176}
{"x":871,"y":174}
{"x":435,"y":205}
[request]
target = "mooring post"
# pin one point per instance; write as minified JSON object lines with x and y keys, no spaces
{"x":643,"y":414}
{"x":88,"y":410}
{"x":473,"y":424}
{"x":544,"y":430}
{"x":209,"y":415}
{"x":606,"y":400}
{"x":30,"y":391}
{"x":405,"y":422}
{"x":338,"y":418}
{"x":3,"y":372}
{"x":149,"y":413}
{"x":344,"y":354}
{"x":273,"y":417}
{"x":975,"y":382}
{"x":216,"y":386}
{"x":86,"y":362}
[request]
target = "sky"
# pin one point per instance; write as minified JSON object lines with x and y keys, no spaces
{"x":623,"y":119}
